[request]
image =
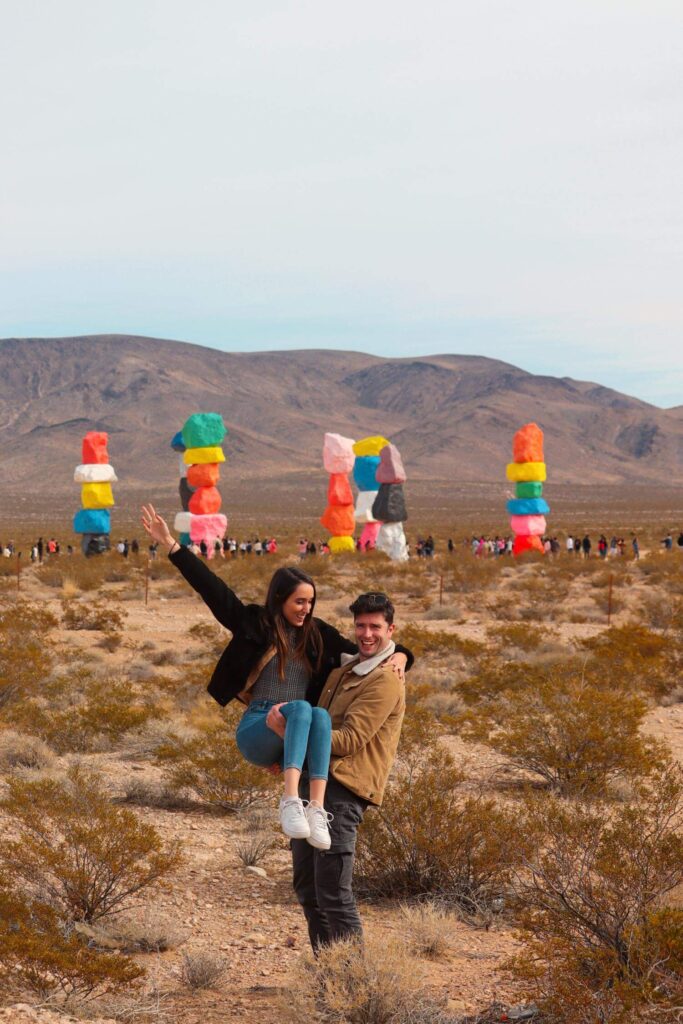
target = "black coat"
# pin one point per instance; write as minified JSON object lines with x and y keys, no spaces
{"x":250,"y":636}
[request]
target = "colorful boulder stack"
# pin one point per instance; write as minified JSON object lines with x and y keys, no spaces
{"x":364,"y":473}
{"x":338,"y":517}
{"x":389,"y":506}
{"x":202,"y":436}
{"x":528,"y":508}
{"x":95,"y":475}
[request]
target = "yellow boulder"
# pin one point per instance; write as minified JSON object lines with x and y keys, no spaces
{"x":338,"y":545}
{"x":525,"y":471}
{"x":96,"y":496}
{"x":370,"y":445}
{"x":201,"y":456}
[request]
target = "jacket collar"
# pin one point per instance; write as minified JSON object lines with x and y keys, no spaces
{"x":352,"y":662}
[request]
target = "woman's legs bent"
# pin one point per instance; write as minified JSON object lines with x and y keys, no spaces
{"x":255,"y":741}
{"x":308,"y":735}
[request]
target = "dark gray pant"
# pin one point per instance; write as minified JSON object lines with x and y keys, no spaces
{"x":323,"y":878}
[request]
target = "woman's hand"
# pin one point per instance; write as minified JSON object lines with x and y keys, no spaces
{"x":398,"y":662}
{"x":156,"y":527}
{"x":276,"y":721}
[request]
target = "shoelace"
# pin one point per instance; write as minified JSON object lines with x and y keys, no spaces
{"x":320,"y":811}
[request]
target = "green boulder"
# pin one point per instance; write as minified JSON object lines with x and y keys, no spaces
{"x":528,"y":489}
{"x":203,"y":430}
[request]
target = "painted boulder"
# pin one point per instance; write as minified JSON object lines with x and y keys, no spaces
{"x":527,"y":543}
{"x":205,"y":475}
{"x":96,"y":496}
{"x":341,"y":545}
{"x":208,"y":529}
{"x":200,"y":456}
{"x":527,"y":444}
{"x":528,"y":526}
{"x":94,"y":543}
{"x":339,"y":490}
{"x":182,"y":521}
{"x":370,"y":445}
{"x":205,"y":501}
{"x":364,"y":472}
{"x":338,"y":519}
{"x":94,"y":447}
{"x":390,"y":469}
{"x":392,"y":541}
{"x":92,"y":520}
{"x":390,"y":504}
{"x":177,"y":443}
{"x":95,"y":473}
{"x":185,"y":492}
{"x":364,"y":503}
{"x":368,"y":537}
{"x":524,"y":471}
{"x":528,"y":507}
{"x":338,"y":454}
{"x":203,"y":430}
{"x":529,"y":489}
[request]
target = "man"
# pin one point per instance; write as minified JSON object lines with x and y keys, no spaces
{"x":366,"y":702}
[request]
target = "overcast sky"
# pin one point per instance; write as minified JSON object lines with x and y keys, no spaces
{"x":487,"y":177}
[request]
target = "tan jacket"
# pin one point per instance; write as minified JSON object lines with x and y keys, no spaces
{"x":367,"y":714}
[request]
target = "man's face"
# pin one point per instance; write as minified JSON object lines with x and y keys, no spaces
{"x":373,"y":633}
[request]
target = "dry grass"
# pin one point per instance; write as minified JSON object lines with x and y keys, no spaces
{"x":202,"y":970}
{"x":429,"y":928}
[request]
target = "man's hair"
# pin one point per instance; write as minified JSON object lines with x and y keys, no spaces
{"x":374,"y":601}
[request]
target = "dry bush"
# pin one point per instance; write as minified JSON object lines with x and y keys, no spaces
{"x":99,"y":616}
{"x":202,"y":970}
{"x":146,"y":932}
{"x":444,"y":611}
{"x":26,"y":648}
{"x":71,"y":844}
{"x":213,"y":637}
{"x":526,"y":638}
{"x":82,"y":712}
{"x":156,"y":794}
{"x":432,"y":835}
{"x":576,"y":737}
{"x":254,"y":849}
{"x":209,"y":764}
{"x":376,"y":982}
{"x":637,"y":658}
{"x":20,"y":751}
{"x":437,"y":642}
{"x":43,"y":955}
{"x":429,"y":928}
{"x":601,"y":944}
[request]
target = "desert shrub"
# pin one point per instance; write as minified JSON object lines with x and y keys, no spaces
{"x":429,"y":928}
{"x":98,"y":616}
{"x":82,"y":713}
{"x":146,"y":932}
{"x":574,"y":736}
{"x":26,"y":648}
{"x":213,"y":637}
{"x":352,"y":983}
{"x":526,"y":638}
{"x":636,"y":657}
{"x":209,"y":764}
{"x":438,"y":642}
{"x":20,"y":751}
{"x":254,"y":849}
{"x":43,"y":955}
{"x":155,"y":794}
{"x":202,"y":970}
{"x":601,"y":944}
{"x":71,"y":844}
{"x":432,"y":835}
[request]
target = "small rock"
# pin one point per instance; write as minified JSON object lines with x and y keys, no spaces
{"x":261,"y":872}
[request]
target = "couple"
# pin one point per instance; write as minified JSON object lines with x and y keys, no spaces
{"x":324,"y":710}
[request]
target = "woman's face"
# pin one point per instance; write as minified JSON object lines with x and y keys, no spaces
{"x":298,"y":605}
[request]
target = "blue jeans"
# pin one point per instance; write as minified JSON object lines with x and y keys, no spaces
{"x":308,"y":736}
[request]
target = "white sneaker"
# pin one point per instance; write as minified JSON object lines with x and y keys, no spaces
{"x":293,"y":818}
{"x":318,"y":821}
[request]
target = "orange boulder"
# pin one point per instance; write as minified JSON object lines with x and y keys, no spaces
{"x":205,"y":501}
{"x":339,"y":490}
{"x":203,"y":475}
{"x":527,"y":445}
{"x":522,"y":544}
{"x":95,"y":447}
{"x":339,"y":520}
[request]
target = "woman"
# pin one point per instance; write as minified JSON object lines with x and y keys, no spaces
{"x":279,"y":654}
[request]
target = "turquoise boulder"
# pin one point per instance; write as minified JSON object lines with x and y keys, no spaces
{"x":203,"y":430}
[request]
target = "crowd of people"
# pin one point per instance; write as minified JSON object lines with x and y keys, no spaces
{"x":574,"y":545}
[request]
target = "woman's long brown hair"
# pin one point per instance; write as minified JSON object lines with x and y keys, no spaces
{"x":283,"y":584}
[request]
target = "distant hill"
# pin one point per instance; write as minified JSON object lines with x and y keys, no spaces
{"x":452,"y":416}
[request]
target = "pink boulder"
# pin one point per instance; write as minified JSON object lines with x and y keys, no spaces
{"x":338,"y":454}
{"x":528,"y":526}
{"x":207,"y":529}
{"x":390,"y":469}
{"x":368,"y":538}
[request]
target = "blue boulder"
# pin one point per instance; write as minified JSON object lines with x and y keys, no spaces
{"x":528,"y":506}
{"x":364,"y":472}
{"x":92,"y":520}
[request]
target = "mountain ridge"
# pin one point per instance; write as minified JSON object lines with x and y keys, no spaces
{"x":452,"y":416}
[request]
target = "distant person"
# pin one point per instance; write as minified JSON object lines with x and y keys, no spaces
{"x":135,"y":547}
{"x":570,"y":544}
{"x":613,"y":547}
{"x":586,"y":546}
{"x":69,"y":550}
{"x":636,"y":547}
{"x":602,"y":546}
{"x":203,"y":550}
{"x":668,"y":542}
{"x":39,"y":545}
{"x":680,"y":540}
{"x":119,"y":547}
{"x":451,"y":546}
{"x":34,"y":553}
